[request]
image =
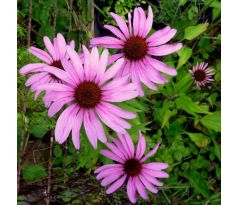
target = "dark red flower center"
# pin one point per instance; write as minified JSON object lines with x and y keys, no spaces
{"x":56,"y":64}
{"x":199,"y":75}
{"x":132,"y":167}
{"x":135,"y":48}
{"x":87,"y":94}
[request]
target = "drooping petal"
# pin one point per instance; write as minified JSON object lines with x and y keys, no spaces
{"x":90,"y":130}
{"x":147,"y":184}
{"x":111,"y":156}
{"x":152,"y":180}
{"x":116,"y":185}
{"x":34,"y":78}
{"x":155,"y":173}
{"x":108,"y":172}
{"x":106,"y":167}
{"x":140,"y":188}
{"x":76,"y":129}
{"x":54,"y":87}
{"x":115,"y":57}
{"x":109,"y":179}
{"x":131,"y":190}
{"x":164,"y":49}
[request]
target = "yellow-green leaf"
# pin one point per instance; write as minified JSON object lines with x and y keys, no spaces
{"x":192,"y":32}
{"x":184,"y":54}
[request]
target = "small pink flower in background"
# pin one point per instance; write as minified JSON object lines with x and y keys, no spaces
{"x":130,"y":165}
{"x":57,"y":52}
{"x":202,"y":74}
{"x":89,"y":96}
{"x":137,"y":48}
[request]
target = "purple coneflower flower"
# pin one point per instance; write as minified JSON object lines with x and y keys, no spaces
{"x":89,"y":96}
{"x":137,"y":48}
{"x":130,"y":165}
{"x":57,"y":52}
{"x":201,"y":74}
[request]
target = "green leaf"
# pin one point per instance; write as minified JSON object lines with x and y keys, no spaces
{"x":185,"y":103}
{"x":199,"y":139}
{"x":58,"y":152}
{"x":198,"y":183}
{"x":212,"y":121}
{"x":33,"y":172}
{"x":182,"y":2}
{"x":184,"y":54}
{"x":192,"y":32}
{"x":184,"y":84}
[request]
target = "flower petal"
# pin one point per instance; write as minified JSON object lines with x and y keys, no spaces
{"x":32,"y":67}
{"x":121,"y":23}
{"x":131,"y":190}
{"x":61,"y":45}
{"x":41,"y":54}
{"x":116,"y":185}
{"x":155,"y":166}
{"x":149,"y":154}
{"x":164,"y":49}
{"x":140,"y":146}
{"x":140,"y":188}
{"x":50,"y":47}
{"x":107,"y":41}
{"x":115,"y":31}
{"x":76,"y":129}
{"x":147,"y":184}
{"x":149,"y":21}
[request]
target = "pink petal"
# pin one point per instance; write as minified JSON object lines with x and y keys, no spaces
{"x":98,"y":127}
{"x":119,"y":145}
{"x":114,"y":57}
{"x":50,"y":47}
{"x":107,"y":41}
{"x":156,"y":35}
{"x":35,"y":78}
{"x":118,"y":111}
{"x":62,"y":124}
{"x":155,"y":165}
{"x":109,"y":179}
{"x":154,"y":173}
{"x":116,"y":185}
{"x":136,"y":80}
{"x":142,"y":22}
{"x":32,"y":67}
{"x":87,"y":68}
{"x":111,"y":156}
{"x":57,"y":105}
{"x":125,"y":145}
{"x":103,"y":62}
{"x":90,"y":130}
{"x":108,"y":121}
{"x":68,"y":67}
{"x":160,"y":66}
{"x":55,"y":43}
{"x":74,"y":57}
{"x":41,"y":54}
{"x":149,"y":154}
{"x":152,"y":180}
{"x":140,"y":188}
{"x":116,"y":32}
{"x":129,"y":23}
{"x":121,"y":23}
{"x":121,"y":97}
{"x":136,"y":22}
{"x":107,"y":172}
{"x":140,"y":146}
{"x":61,"y":45}
{"x":76,"y":129}
{"x":149,"y":21}
{"x":147,"y":184}
{"x":104,"y":167}
{"x":164,"y":49}
{"x":131,"y":190}
{"x":110,"y":73}
{"x":164,"y":38}
{"x":130,"y":144}
{"x":54,"y":87}
{"x":61,"y":74}
{"x":93,"y":63}
{"x":115,"y":150}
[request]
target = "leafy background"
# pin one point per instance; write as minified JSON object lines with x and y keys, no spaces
{"x":184,"y":118}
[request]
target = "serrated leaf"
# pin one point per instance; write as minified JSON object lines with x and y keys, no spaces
{"x":199,"y":139}
{"x":192,"y":32}
{"x":212,"y":121}
{"x":185,"y":103}
{"x":33,"y":172}
{"x":198,"y":183}
{"x":184,"y":54}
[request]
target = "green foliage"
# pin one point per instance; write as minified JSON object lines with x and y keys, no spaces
{"x":33,"y":172}
{"x":192,"y":32}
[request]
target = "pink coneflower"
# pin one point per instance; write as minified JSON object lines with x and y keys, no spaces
{"x":201,"y":74}
{"x":89,"y":96}
{"x":136,"y":48}
{"x":130,"y":165}
{"x":57,"y":53}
